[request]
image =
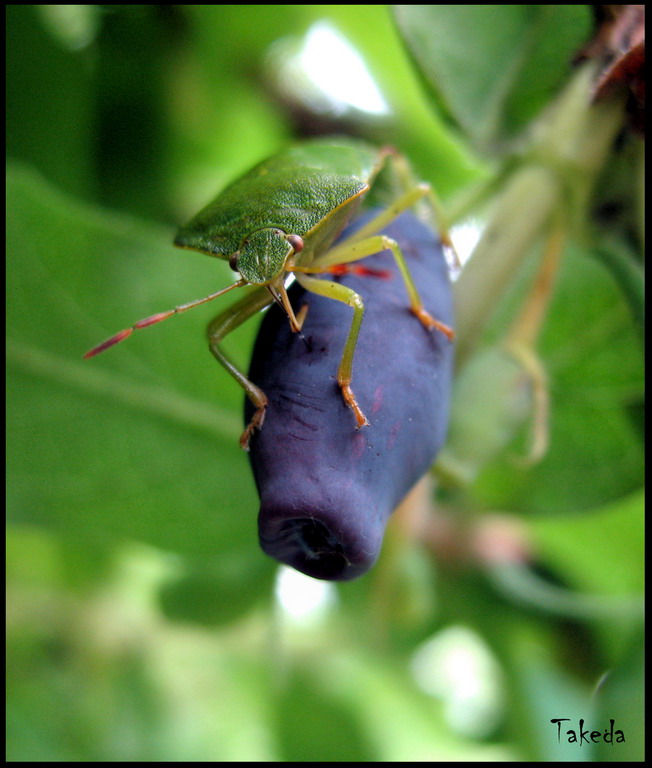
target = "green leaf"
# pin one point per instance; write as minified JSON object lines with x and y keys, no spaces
{"x":621,"y":697}
{"x":220,"y":593}
{"x":50,"y":101}
{"x":594,"y":361}
{"x":314,"y":726}
{"x":142,"y":442}
{"x":491,"y":68}
{"x":600,"y":551}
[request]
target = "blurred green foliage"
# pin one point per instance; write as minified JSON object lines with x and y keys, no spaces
{"x":143,"y":623}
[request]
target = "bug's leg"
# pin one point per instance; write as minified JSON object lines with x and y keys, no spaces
{"x":413,"y":192}
{"x":301,"y":315}
{"x":352,"y":251}
{"x":281,"y":297}
{"x":392,"y":211}
{"x":407,"y":181}
{"x":352,"y":299}
{"x":409,"y":198}
{"x":222,"y":325}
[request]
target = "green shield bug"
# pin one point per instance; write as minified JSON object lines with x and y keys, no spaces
{"x":280,"y":219}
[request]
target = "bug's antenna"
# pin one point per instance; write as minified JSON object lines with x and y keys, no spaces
{"x":153,"y":319}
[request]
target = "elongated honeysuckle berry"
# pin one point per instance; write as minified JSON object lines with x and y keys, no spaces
{"x":326,"y":488}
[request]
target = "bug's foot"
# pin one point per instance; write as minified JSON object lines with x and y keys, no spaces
{"x":429,"y":321}
{"x":349,"y":398}
{"x":256,"y":423}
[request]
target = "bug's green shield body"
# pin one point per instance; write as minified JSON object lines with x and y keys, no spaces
{"x":312,"y":189}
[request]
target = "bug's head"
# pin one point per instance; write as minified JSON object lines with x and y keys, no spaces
{"x":263,"y":255}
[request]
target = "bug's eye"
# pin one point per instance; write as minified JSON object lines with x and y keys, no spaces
{"x":233,"y":261}
{"x":296,"y":242}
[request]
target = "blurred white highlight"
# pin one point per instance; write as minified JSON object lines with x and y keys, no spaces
{"x":456,"y":667}
{"x":301,"y":598}
{"x":465,"y":236}
{"x":336,"y":68}
{"x":325,"y":72}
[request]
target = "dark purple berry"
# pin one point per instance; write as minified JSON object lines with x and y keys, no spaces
{"x":326,"y":488}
